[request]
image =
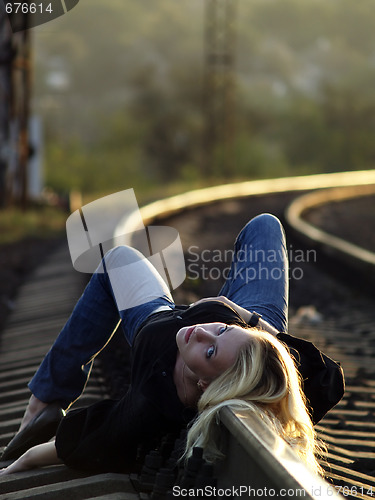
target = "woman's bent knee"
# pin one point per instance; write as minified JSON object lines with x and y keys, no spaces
{"x":267,"y":221}
{"x":263,"y":223}
{"x":121,"y":256}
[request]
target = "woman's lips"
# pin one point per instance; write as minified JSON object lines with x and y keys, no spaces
{"x":188,"y":333}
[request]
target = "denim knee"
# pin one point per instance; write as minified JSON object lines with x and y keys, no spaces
{"x":262,"y":223}
{"x":121,"y":255}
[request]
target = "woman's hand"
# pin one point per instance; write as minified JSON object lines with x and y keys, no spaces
{"x":21,"y":464}
{"x":244,"y":313}
{"x":38,"y":456}
{"x":220,"y":298}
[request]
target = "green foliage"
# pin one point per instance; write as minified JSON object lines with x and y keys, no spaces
{"x":133,"y":115}
{"x":42,"y":222}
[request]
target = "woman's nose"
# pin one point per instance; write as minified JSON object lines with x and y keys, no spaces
{"x":202,"y":334}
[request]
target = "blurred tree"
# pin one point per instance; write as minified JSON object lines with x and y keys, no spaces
{"x":132,"y":107}
{"x":349,"y":118}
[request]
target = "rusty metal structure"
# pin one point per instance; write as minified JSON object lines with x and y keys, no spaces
{"x":15,"y":89}
{"x":219,"y":87}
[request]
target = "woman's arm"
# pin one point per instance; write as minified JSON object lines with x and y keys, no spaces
{"x":38,"y":456}
{"x":244,"y":313}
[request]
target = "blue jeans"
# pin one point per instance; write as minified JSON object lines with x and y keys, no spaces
{"x":258,"y":281}
{"x":258,"y":278}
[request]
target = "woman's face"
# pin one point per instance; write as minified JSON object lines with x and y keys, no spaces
{"x":208,"y":349}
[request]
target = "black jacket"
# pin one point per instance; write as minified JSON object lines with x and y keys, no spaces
{"x":105,"y":436}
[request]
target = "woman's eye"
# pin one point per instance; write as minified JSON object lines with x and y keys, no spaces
{"x":210,"y":351}
{"x":222,"y":330}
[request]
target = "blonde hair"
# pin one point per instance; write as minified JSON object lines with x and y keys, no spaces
{"x":264,"y":380}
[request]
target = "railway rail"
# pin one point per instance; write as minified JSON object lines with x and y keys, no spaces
{"x":334,"y":313}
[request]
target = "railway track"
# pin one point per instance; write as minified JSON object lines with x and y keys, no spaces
{"x":330,"y":311}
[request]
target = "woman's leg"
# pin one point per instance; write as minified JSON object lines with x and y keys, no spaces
{"x":127,"y":287}
{"x":258,"y":278}
{"x":137,"y":287}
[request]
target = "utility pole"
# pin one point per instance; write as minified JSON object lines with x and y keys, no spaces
{"x":6,"y":57}
{"x":21,"y":112}
{"x":219,"y":87}
{"x":15,"y":85}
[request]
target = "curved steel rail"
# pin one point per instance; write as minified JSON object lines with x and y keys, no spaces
{"x":248,"y":447}
{"x":298,"y":207}
{"x":276,"y":469}
{"x":199,"y":197}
